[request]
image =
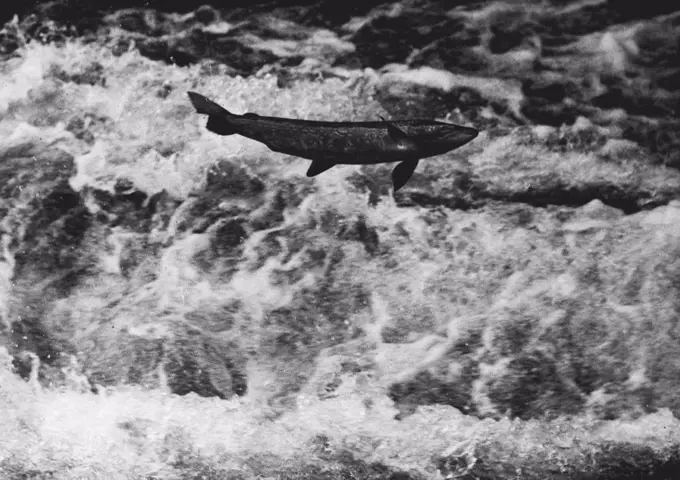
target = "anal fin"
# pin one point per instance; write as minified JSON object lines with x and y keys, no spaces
{"x":319,"y":166}
{"x":402,"y":173}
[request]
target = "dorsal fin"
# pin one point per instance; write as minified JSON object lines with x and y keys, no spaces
{"x":250,"y":115}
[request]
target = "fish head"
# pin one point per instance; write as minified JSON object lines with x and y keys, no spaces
{"x":444,"y":137}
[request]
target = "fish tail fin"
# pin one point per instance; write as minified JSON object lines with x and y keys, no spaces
{"x":206,"y":106}
{"x":218,"y":116}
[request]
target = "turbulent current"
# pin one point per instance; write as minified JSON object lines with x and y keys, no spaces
{"x":177,"y":304}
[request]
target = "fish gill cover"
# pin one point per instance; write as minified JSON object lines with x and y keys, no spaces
{"x":175,"y":304}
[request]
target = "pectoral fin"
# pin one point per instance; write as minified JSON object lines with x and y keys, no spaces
{"x":402,"y":173}
{"x":319,"y":166}
{"x":395,"y":132}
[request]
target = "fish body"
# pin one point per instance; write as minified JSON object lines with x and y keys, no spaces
{"x":352,"y":143}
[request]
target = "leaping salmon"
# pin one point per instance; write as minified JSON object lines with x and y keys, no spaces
{"x":327,"y":144}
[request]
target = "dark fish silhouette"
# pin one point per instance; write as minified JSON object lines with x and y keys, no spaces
{"x":353,"y":143}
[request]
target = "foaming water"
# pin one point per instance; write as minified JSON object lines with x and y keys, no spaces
{"x":328,"y":300}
